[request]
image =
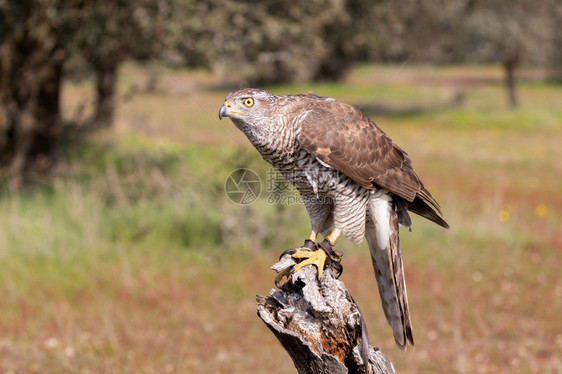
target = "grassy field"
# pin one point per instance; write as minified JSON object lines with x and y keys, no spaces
{"x":133,"y":260}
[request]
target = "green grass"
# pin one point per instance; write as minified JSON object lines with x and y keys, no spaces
{"x":133,"y":260}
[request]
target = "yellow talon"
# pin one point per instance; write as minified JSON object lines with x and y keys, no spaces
{"x":317,"y":258}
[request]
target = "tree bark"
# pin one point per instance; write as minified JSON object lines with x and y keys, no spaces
{"x":319,"y":324}
{"x":106,"y":79}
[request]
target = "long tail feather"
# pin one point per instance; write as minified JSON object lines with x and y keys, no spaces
{"x":389,"y":272}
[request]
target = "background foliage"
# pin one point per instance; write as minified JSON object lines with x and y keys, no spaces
{"x":245,"y":43}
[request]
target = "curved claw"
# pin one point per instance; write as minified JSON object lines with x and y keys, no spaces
{"x":290,"y":251}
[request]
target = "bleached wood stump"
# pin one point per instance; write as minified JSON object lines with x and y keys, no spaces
{"x":319,"y":324}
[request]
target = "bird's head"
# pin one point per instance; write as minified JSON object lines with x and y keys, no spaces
{"x":246,"y":107}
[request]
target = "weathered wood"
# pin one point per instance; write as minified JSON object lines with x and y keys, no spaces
{"x":319,"y":324}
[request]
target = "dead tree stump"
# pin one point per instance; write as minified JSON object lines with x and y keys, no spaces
{"x":319,"y":324}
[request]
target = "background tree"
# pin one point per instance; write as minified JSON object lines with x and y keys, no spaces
{"x":363,"y":31}
{"x":36,"y":38}
{"x":34,"y":35}
{"x":509,"y":32}
{"x":257,"y":42}
{"x":113,"y":31}
{"x":555,"y":58}
{"x":250,"y":43}
{"x":275,"y":41}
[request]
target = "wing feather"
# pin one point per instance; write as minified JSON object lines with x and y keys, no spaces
{"x":342,"y":137}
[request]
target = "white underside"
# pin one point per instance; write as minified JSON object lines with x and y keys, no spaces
{"x":379,"y":208}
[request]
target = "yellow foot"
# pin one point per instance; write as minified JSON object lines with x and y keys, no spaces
{"x":317,"y":258}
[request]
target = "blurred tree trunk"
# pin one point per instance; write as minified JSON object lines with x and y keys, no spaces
{"x":31,"y":69}
{"x":106,"y":79}
{"x":510,"y":66}
{"x":32,"y":122}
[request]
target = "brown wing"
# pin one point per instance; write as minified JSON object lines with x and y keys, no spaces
{"x":344,"y":138}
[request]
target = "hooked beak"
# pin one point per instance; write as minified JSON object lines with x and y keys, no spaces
{"x":224,"y":111}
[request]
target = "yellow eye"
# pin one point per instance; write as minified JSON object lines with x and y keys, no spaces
{"x":248,"y":102}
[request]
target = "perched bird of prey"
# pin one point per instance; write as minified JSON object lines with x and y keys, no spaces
{"x":354,"y":181}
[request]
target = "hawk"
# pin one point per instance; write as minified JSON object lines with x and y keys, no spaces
{"x":353,"y":179}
